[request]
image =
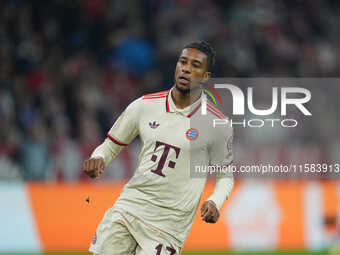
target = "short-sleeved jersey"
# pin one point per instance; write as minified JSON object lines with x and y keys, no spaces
{"x":162,"y":191}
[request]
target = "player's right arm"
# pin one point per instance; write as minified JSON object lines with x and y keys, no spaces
{"x":123,"y":131}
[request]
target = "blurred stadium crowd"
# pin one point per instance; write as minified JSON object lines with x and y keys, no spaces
{"x":68,"y":68}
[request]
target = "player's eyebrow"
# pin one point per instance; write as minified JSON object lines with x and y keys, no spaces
{"x":195,"y":61}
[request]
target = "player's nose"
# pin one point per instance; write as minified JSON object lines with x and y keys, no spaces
{"x":186,"y":69}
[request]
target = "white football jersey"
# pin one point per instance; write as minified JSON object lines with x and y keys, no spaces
{"x":163,"y":192}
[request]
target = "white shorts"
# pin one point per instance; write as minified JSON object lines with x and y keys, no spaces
{"x":124,"y":234}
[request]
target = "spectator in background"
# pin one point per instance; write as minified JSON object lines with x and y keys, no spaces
{"x":134,"y":53}
{"x":89,"y":136}
{"x":81,"y":61}
{"x":35,"y":155}
{"x":9,"y":138}
{"x":65,"y":153}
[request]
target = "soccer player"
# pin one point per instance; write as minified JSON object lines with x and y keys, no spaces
{"x":156,"y":208}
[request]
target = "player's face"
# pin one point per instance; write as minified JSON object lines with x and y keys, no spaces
{"x":191,"y":68}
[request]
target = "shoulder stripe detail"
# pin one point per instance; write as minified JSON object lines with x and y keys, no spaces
{"x":160,"y":95}
{"x":115,"y":140}
{"x":216,"y":114}
{"x":157,"y":93}
{"x":155,"y":97}
{"x":194,"y":110}
{"x":216,"y":109}
{"x":222,"y":116}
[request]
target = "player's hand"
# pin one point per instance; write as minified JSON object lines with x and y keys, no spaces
{"x":94,"y":167}
{"x":209,"y":212}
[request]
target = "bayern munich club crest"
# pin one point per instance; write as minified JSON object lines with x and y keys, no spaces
{"x":192,"y":134}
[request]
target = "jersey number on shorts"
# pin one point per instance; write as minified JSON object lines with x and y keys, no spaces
{"x":159,"y":249}
{"x":162,"y":160}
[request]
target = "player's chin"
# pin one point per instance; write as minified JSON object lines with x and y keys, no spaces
{"x":183,"y":88}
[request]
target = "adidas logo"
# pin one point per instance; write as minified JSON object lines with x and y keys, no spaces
{"x":154,"y":124}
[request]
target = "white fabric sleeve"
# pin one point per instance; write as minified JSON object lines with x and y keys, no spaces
{"x":221,"y":156}
{"x":220,"y":151}
{"x":223,"y":188}
{"x":125,"y":128}
{"x":123,"y":131}
{"x":108,"y":150}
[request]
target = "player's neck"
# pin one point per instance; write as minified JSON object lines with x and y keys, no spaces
{"x":181,"y":100}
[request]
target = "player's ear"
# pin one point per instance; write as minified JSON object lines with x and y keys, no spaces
{"x":206,"y":76}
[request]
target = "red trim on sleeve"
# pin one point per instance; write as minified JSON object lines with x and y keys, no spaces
{"x":116,"y":141}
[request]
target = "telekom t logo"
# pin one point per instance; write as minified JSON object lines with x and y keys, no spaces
{"x":238,"y":100}
{"x":163,"y":158}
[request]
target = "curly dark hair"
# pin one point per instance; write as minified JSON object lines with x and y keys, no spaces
{"x":207,"y":49}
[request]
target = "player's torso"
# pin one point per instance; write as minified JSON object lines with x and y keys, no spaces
{"x":168,"y":143}
{"x":164,"y":192}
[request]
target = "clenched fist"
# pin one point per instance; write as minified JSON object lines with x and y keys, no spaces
{"x":94,"y":167}
{"x":209,"y":212}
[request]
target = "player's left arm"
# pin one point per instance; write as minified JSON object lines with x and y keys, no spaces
{"x":220,"y":155}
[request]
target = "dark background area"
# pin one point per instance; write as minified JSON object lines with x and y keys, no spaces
{"x":68,"y":68}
